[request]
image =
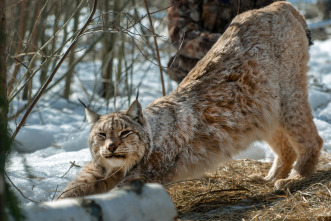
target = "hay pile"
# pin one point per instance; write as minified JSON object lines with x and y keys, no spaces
{"x":228,"y":194}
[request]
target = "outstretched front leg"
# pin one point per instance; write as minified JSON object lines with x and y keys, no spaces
{"x":92,"y":179}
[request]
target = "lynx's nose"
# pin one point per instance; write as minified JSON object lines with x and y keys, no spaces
{"x":112,"y":147}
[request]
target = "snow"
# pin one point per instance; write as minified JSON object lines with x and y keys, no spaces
{"x":49,"y":149}
{"x":151,"y":202}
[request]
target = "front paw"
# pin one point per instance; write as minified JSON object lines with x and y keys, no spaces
{"x":282,"y":184}
{"x":130,"y":179}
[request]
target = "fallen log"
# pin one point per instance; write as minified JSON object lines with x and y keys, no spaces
{"x":136,"y":201}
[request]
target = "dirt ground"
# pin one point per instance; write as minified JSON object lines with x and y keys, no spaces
{"x":228,"y":194}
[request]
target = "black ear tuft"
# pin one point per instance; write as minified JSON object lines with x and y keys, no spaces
{"x":137,"y":94}
{"x":135,"y":112}
{"x":82,"y":103}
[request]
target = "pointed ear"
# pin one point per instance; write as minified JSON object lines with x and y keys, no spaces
{"x":91,"y":116}
{"x":135,"y":112}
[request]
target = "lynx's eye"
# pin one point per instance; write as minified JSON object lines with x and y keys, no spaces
{"x":102,"y":135}
{"x":125,"y":133}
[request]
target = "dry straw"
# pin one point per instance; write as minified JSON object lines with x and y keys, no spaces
{"x":228,"y":194}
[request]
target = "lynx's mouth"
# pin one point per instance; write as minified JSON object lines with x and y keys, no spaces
{"x":113,"y":156}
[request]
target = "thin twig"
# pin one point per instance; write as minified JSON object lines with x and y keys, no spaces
{"x":127,"y":14}
{"x":72,"y":163}
{"x":28,"y":54}
{"x":12,"y":183}
{"x":156,"y":47}
{"x":115,"y":89}
{"x":22,"y":64}
{"x":141,"y":52}
{"x":36,"y":99}
{"x":55,"y":192}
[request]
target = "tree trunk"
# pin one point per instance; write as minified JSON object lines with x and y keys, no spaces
{"x":27,"y":93}
{"x":108,"y":53}
{"x":51,"y":48}
{"x":4,"y":140}
{"x":66,"y":92}
{"x":19,"y":46}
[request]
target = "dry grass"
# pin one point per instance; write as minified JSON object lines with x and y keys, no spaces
{"x":228,"y":194}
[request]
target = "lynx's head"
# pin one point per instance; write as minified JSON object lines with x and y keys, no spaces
{"x":119,"y":140}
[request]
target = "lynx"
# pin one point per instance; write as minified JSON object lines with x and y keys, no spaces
{"x":251,"y":86}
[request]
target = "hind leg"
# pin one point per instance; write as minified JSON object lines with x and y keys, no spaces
{"x":298,"y":122}
{"x":284,"y":157}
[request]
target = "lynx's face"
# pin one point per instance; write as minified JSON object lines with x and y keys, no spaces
{"x":118,"y":140}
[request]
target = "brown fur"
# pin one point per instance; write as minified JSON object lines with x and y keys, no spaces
{"x":251,"y":86}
